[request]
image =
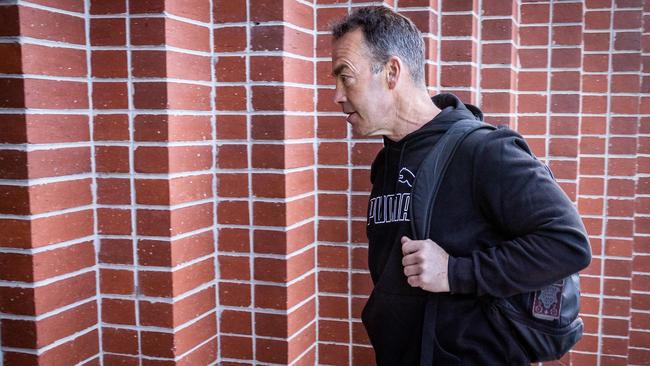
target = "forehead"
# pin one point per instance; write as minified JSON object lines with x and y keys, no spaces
{"x":351,"y":47}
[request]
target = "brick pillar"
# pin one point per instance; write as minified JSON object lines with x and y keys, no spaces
{"x":498,"y":42}
{"x":639,"y":346}
{"x":266,"y":186}
{"x":48,"y":297}
{"x":458,"y":56}
{"x":154,"y":122}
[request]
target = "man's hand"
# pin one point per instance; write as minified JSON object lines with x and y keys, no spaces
{"x":425,"y":264}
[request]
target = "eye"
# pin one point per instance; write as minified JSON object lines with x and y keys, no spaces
{"x":347,"y":80}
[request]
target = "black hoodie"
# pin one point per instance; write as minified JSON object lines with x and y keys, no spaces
{"x":507,"y":226}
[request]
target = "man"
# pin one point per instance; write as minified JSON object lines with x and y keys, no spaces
{"x":501,"y":225}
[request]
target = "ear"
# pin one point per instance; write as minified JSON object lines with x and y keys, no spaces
{"x":393,"y":71}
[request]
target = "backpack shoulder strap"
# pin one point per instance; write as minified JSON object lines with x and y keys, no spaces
{"x":431,"y":172}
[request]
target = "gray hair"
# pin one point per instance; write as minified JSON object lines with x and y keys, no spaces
{"x":386,"y":34}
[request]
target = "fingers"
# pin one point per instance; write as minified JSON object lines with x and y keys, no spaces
{"x":409,"y":246}
{"x":413,"y":258}
{"x":413,"y":270}
{"x":414,"y":281}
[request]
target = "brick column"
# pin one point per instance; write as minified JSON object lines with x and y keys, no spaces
{"x":48,"y":288}
{"x":266,"y":190}
{"x":639,"y":346}
{"x":154,"y":119}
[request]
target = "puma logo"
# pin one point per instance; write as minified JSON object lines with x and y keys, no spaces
{"x":406,"y":177}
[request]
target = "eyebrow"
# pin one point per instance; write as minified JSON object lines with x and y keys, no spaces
{"x":339,"y":69}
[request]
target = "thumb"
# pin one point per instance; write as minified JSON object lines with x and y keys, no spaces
{"x":405,"y":239}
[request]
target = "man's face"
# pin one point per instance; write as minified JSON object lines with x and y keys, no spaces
{"x":362,"y":94}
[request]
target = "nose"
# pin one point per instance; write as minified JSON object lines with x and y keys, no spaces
{"x":339,"y":95}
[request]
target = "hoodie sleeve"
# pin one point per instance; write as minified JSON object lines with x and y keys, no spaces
{"x":547,"y":240}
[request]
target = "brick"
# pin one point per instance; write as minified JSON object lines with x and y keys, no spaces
{"x":42,"y":24}
{"x":172,"y":128}
{"x":330,"y":353}
{"x":282,"y":127}
{"x":234,"y":267}
{"x":185,"y":35}
{"x":565,"y":57}
{"x":46,"y":298}
{"x":567,"y":35}
{"x":114,"y":281}
{"x":230,"y":39}
{"x":271,"y":325}
{"x":627,"y":41}
{"x":333,"y":231}
{"x":237,"y":347}
{"x":567,"y":13}
{"x":203,"y":355}
{"x":498,"y":102}
{"x":113,"y":191}
{"x":196,"y":9}
{"x":52,"y":61}
{"x":496,"y":78}
{"x":226,"y":11}
{"x":457,"y":25}
{"x":533,"y":35}
{"x":109,"y":64}
{"x":234,"y":294}
{"x":147,"y":31}
{"x":626,"y":62}
{"x":534,"y":13}
{"x":496,"y":29}
{"x":231,"y":127}
{"x":361,"y":180}
{"x":194,"y":334}
{"x":108,"y":95}
{"x":112,"y":159}
{"x":116,"y":251}
{"x":154,"y":159}
{"x":157,"y":344}
{"x":596,"y":42}
{"x":107,"y":32}
{"x":231,"y":98}
{"x":158,"y":95}
{"x":44,"y":94}
{"x":103,"y":7}
{"x":233,"y":240}
{"x":123,"y":341}
{"x":238,"y":322}
{"x":533,"y":58}
{"x":71,"y":352}
{"x":47,"y":230}
{"x":233,"y":68}
{"x":287,"y":69}
{"x":45,"y":197}
{"x":532,"y":81}
{"x":629,"y":19}
{"x":284,"y":98}
{"x":149,"y":63}
{"x":233,"y":212}
{"x":337,"y":205}
{"x":277,"y":242}
{"x":333,"y":331}
{"x":111,"y":127}
{"x":626,"y":84}
{"x":274,"y":38}
{"x":114,"y":221}
{"x":117,"y":311}
{"x":182,"y":220}
{"x":332,"y":282}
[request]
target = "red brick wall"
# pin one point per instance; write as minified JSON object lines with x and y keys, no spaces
{"x":177,"y":186}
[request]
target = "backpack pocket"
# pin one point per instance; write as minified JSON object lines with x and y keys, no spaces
{"x":540,"y":341}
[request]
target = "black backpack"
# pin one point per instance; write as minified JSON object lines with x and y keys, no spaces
{"x":545,"y":331}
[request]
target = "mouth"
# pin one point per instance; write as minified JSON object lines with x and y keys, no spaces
{"x":349,"y":116}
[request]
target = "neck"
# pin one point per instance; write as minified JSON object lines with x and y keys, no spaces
{"x":412,"y":111}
